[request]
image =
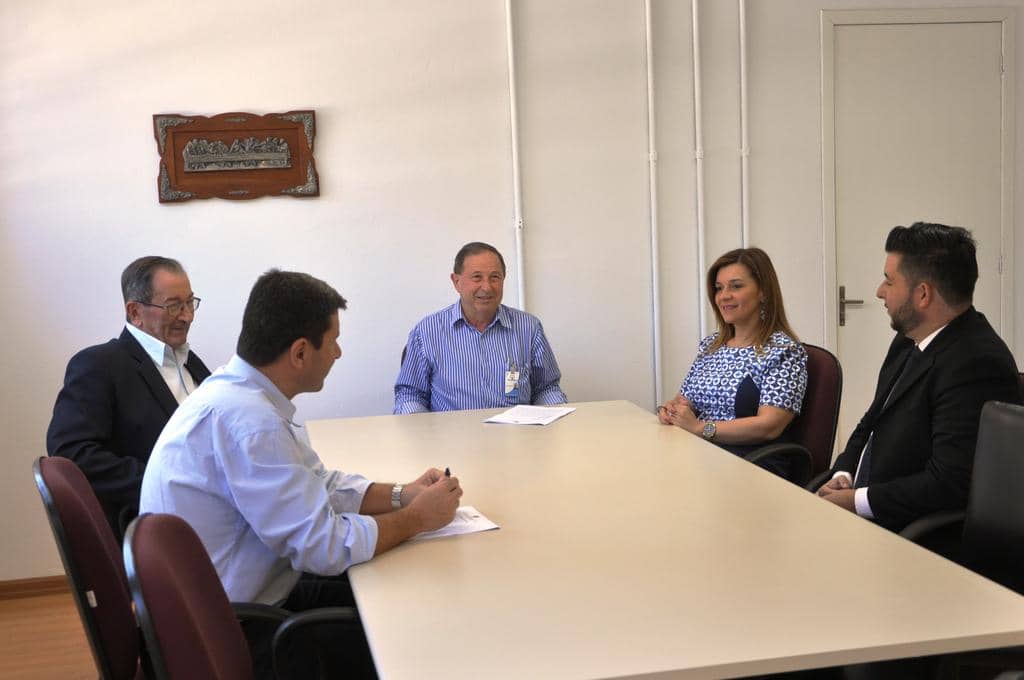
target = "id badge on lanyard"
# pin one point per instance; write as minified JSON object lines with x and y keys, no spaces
{"x":512,"y":380}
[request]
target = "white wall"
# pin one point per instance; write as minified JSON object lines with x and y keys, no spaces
{"x":413,"y":150}
{"x":583,"y":116}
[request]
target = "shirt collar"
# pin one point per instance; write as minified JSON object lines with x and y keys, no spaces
{"x":158,"y":350}
{"x":927,"y":341}
{"x":455,"y":315}
{"x":242,"y":368}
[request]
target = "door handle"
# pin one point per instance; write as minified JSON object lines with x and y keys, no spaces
{"x":843,"y":301}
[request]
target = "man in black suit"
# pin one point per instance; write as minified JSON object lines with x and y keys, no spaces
{"x":118,"y":396}
{"x":912,"y":453}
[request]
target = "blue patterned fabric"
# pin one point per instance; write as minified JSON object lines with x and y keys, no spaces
{"x":732,"y":382}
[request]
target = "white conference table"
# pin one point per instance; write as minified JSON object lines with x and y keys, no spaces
{"x":627,"y":548}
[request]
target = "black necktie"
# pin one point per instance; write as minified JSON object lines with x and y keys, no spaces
{"x":864,"y":469}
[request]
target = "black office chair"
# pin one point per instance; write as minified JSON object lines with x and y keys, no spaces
{"x":993,"y":524}
{"x":993,"y":539}
{"x":991,"y":530}
{"x":812,"y":434}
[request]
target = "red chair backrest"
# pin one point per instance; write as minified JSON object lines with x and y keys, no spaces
{"x":92,"y":561}
{"x":190,"y":628}
{"x":815,"y":427}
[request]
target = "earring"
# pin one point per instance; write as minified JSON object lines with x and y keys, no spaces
{"x":763,"y":315}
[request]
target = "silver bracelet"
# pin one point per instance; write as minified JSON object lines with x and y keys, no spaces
{"x":396,"y":496}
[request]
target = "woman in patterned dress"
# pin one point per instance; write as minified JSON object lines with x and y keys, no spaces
{"x":748,"y":380}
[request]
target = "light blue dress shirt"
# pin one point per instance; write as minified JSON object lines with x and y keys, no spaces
{"x":231,"y":463}
{"x":450,"y":365}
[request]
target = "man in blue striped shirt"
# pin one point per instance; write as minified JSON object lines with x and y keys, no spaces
{"x":477,"y":353}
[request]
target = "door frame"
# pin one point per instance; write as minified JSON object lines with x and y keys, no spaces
{"x":830,"y":19}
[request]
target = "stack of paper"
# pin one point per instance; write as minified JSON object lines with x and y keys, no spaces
{"x":531,"y":415}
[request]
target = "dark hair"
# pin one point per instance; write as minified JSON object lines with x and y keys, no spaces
{"x":945,"y":257}
{"x":475,"y":248}
{"x":760,"y":266}
{"x":283,"y":307}
{"x":137,"y":278}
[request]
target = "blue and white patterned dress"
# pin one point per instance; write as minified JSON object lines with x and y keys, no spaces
{"x":732,"y":382}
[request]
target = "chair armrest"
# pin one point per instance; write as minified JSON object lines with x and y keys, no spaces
{"x":801,"y":459}
{"x":818,"y":480}
{"x":342,"y":619}
{"x":253,"y":611}
{"x":923,"y":526}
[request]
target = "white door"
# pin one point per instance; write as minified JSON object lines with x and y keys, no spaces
{"x":918,"y":109}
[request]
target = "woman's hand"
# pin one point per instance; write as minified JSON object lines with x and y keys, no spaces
{"x":685,"y":418}
{"x":668,"y":409}
{"x":678,"y":411}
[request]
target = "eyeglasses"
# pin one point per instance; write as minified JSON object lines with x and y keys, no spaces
{"x":175,"y":308}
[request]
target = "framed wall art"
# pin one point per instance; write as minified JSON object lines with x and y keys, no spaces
{"x":236,"y":155}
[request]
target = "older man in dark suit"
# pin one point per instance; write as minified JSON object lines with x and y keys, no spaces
{"x":118,"y":396}
{"x":913,"y":451}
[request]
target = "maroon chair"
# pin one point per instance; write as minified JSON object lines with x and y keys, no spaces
{"x":92,"y":562}
{"x":812,"y":434}
{"x":190,"y":628}
{"x":189,"y":625}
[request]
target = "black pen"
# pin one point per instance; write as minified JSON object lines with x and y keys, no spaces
{"x":447,"y":472}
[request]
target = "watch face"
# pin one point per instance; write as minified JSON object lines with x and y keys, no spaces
{"x":709,"y":430}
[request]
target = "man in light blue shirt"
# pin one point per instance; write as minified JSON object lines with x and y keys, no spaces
{"x":232,"y":464}
{"x":477,"y":353}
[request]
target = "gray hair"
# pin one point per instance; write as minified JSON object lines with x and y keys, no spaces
{"x":137,"y":278}
{"x":475,"y":248}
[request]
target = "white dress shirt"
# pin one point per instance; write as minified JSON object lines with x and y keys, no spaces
{"x":170,"y":362}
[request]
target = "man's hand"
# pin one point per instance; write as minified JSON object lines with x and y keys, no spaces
{"x":843,"y":498}
{"x":837,"y":483}
{"x":435,"y":505}
{"x":839,"y":490}
{"x":417,"y":486}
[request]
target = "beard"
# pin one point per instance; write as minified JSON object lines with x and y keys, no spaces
{"x":904,"y":318}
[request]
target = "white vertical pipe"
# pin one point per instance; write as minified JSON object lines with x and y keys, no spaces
{"x":698,"y":135}
{"x":744,"y":141}
{"x":517,"y":195}
{"x":652,"y":159}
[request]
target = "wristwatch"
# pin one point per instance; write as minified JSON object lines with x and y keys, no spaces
{"x":396,"y":496}
{"x":709,"y":430}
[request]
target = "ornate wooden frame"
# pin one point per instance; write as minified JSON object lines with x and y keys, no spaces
{"x":236,"y":155}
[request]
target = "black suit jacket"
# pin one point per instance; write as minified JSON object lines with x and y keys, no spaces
{"x":923,"y":451}
{"x":108,"y":415}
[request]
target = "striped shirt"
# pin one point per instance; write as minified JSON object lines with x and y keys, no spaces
{"x":449,"y":365}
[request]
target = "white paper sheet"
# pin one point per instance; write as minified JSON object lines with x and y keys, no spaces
{"x":467,"y":520}
{"x":531,"y":415}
